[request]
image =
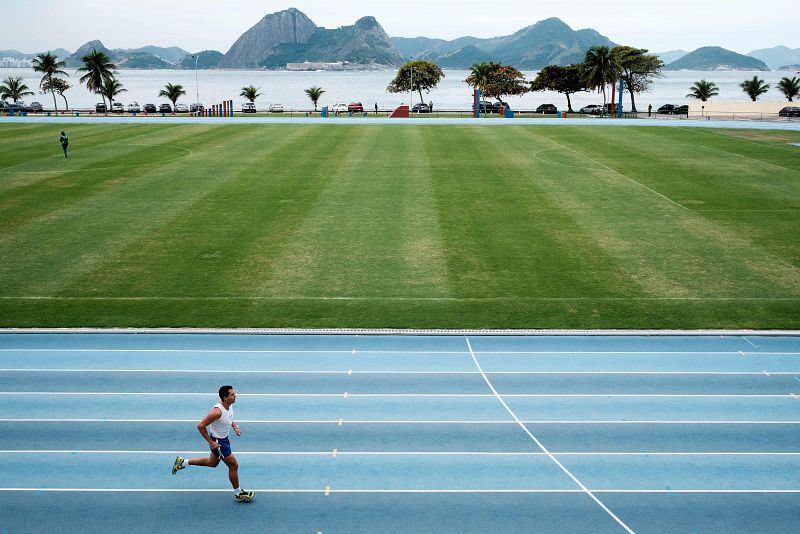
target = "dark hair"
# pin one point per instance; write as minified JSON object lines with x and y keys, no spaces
{"x":223,"y":392}
{"x":62,"y":133}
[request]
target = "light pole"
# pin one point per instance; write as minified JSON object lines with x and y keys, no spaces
{"x":411,"y":90}
{"x":196,"y":83}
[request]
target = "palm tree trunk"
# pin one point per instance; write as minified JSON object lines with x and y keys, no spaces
{"x":66,"y":104}
{"x":569,"y":103}
{"x":52,"y":90}
{"x":633,"y":103}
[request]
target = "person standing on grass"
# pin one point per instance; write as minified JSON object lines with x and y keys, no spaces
{"x":220,"y":419}
{"x":64,"y":142}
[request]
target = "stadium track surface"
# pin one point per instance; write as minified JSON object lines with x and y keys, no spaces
{"x":685,"y":123}
{"x":404,"y":433}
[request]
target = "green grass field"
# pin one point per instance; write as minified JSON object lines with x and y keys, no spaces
{"x":399,"y":226}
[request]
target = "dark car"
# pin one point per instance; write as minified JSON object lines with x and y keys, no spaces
{"x":355,"y":107}
{"x":547,"y":109}
{"x":422,"y":107}
{"x":150,"y":108}
{"x":35,"y":107}
{"x":489,"y":107}
{"x":666,"y":109}
{"x":100,"y":107}
{"x":165,"y":108}
{"x":789,"y":111}
{"x":14,"y":107}
{"x":682,"y":110}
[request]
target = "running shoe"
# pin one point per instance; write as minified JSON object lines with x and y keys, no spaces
{"x":245,"y":496}
{"x":178,"y":465}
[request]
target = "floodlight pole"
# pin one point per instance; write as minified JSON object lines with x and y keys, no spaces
{"x":196,"y":83}
{"x":411,"y":90}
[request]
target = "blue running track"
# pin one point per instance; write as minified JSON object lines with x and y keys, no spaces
{"x":403,"y":433}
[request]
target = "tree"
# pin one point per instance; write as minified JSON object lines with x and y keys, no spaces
{"x":314,"y":93}
{"x":60,"y":86}
{"x":703,"y":90}
{"x":637,"y":69}
{"x":14,"y":89}
{"x":172,"y":92}
{"x":250,"y":93}
{"x":566,"y":80}
{"x":110,"y":89}
{"x":97,"y":68}
{"x":754,"y":88}
{"x":790,"y":87}
{"x":479,"y":75}
{"x":49,"y":65}
{"x":426,"y":76}
{"x":496,"y":80}
{"x":599,"y":68}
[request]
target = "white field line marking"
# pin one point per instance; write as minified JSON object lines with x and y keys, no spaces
{"x":408,"y":395}
{"x":409,"y":422}
{"x":381,"y":372}
{"x":400,"y":453}
{"x":751,"y":343}
{"x":542,"y":447}
{"x":369,"y":491}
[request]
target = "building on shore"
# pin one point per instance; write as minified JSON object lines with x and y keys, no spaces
{"x":307,"y":65}
{"x":14,"y":63}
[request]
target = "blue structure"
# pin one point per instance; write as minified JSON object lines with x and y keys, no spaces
{"x":619,"y":105}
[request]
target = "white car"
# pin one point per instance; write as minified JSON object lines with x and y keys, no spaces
{"x":134,"y":108}
{"x":117,"y":107}
{"x":249,"y":107}
{"x":181,"y":108}
{"x":592,"y":109}
{"x":341,"y":108}
{"x":276,"y":108}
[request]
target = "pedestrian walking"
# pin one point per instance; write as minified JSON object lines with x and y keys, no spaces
{"x":64,"y":142}
{"x":376,"y":108}
{"x":220,"y":420}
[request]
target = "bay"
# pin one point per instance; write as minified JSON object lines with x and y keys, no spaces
{"x":369,"y":87}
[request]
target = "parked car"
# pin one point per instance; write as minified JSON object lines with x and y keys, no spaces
{"x":249,"y":107}
{"x":666,"y":109}
{"x":197,"y":106}
{"x":134,"y":108}
{"x":422,"y":107}
{"x":15,"y":107}
{"x":681,"y":110}
{"x":276,"y":108}
{"x":181,"y":108}
{"x":117,"y":107}
{"x":789,"y":111}
{"x":35,"y":107}
{"x":489,"y":107}
{"x":340,"y":107}
{"x":547,"y":109}
{"x":165,"y":108}
{"x":100,"y":107}
{"x":355,"y":107}
{"x":592,"y":109}
{"x":150,"y":108}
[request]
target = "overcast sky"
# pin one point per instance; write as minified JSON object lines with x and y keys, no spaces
{"x":37,"y":25}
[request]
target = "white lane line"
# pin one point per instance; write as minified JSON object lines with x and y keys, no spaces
{"x":411,"y":422}
{"x":410,"y":395}
{"x":542,"y":447}
{"x":399,"y":453}
{"x":401,"y":352}
{"x":356,"y":491}
{"x":750,"y":342}
{"x":382,"y":372}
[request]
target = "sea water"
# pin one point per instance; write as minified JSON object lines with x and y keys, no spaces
{"x":369,"y":87}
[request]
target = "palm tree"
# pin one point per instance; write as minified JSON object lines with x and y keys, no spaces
{"x":98,"y":68}
{"x":59,"y":85}
{"x":479,"y":75}
{"x":314,"y":93}
{"x":703,"y":90}
{"x":14,"y":89}
{"x":172,"y":92}
{"x":754,"y":88}
{"x":250,"y":93}
{"x":110,"y":89}
{"x":48,"y":64}
{"x":599,"y":68}
{"x":790,"y":87}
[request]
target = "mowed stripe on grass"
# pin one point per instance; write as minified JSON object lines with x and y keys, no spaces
{"x":387,"y":226}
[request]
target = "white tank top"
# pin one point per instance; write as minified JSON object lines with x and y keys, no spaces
{"x":222,"y":426}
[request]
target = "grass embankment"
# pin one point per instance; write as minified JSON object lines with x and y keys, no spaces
{"x":399,"y":226}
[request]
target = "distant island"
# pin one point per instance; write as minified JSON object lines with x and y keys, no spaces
{"x":290,"y":40}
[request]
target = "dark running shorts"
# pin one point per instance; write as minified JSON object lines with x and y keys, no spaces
{"x":224,"y":449}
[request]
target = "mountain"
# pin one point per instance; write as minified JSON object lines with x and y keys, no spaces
{"x":670,"y":56}
{"x":16,"y":54}
{"x":777,"y":57}
{"x":141,"y":60}
{"x":291,"y":37}
{"x":207,"y":59}
{"x":548,"y":42}
{"x":172,"y":54}
{"x":255,"y":45}
{"x":716,"y":58}
{"x":75,"y":59}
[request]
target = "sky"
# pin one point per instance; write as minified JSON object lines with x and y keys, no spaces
{"x":196,"y":25}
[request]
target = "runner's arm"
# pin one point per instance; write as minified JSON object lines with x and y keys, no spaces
{"x":212,"y":416}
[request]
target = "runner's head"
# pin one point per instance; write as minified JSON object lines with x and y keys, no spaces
{"x":225,"y":392}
